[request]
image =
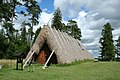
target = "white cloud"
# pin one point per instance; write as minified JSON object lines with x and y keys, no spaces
{"x":21,"y":18}
{"x":90,"y":36}
{"x":68,"y":8}
{"x":39,"y":1}
{"x":116,"y":33}
{"x":43,"y":20}
{"x":44,"y":10}
{"x":82,"y":14}
{"x":105,"y":8}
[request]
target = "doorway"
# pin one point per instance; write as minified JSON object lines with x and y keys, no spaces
{"x":44,"y":55}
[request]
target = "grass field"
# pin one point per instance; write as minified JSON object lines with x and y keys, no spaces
{"x":81,"y":71}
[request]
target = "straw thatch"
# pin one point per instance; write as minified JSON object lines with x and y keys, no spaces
{"x":67,"y":49}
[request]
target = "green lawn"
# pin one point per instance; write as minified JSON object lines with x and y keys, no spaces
{"x":82,"y":71}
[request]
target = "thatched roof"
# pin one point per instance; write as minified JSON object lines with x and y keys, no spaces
{"x":67,"y":49}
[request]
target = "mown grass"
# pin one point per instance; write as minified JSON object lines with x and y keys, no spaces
{"x":78,"y":71}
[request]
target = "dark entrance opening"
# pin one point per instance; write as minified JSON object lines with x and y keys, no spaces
{"x":44,"y":55}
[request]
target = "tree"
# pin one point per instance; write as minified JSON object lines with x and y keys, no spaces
{"x":106,"y":41}
{"x":118,"y":47}
{"x":3,"y":46}
{"x":73,"y":30}
{"x":6,"y":16}
{"x":36,"y":33}
{"x":57,"y":20}
{"x":33,"y":10}
{"x":14,"y":41}
{"x":23,"y":32}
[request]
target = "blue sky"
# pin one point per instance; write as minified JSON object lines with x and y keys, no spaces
{"x":90,"y":15}
{"x":47,"y":4}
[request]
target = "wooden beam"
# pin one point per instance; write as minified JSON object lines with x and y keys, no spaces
{"x":48,"y":60}
{"x":28,"y":59}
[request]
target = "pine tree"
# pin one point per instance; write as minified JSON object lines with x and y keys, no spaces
{"x":34,"y":10}
{"x":57,"y":20}
{"x":73,"y":30}
{"x":106,"y":41}
{"x":118,"y":47}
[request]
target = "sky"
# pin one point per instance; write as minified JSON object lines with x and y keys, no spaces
{"x":90,"y":15}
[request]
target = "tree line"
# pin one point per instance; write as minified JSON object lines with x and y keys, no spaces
{"x":12,"y":40}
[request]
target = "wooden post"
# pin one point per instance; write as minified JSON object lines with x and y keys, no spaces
{"x":48,"y":60}
{"x":17,"y":64}
{"x":19,"y":60}
{"x":22,"y":64}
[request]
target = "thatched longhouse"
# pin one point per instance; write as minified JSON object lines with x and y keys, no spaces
{"x":67,"y":49}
